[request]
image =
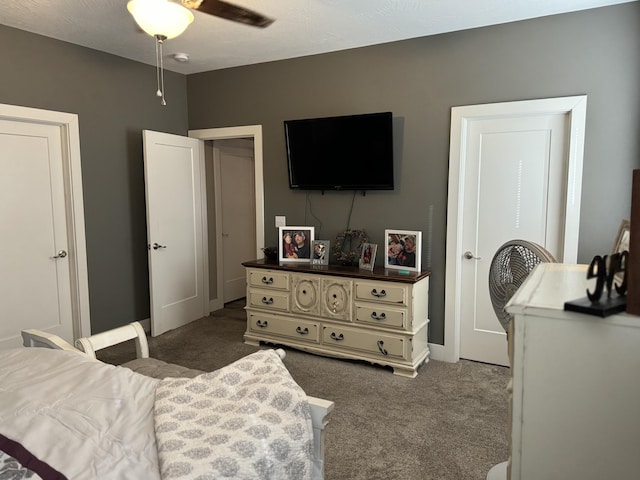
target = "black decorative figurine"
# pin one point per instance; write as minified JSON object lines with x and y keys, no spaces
{"x":605,"y":273}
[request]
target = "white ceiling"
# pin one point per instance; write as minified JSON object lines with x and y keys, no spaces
{"x":302,"y":27}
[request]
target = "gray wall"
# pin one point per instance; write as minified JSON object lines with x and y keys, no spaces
{"x":115,"y":100}
{"x":593,"y":52}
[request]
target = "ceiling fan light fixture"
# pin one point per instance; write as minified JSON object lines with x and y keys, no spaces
{"x":160,"y":17}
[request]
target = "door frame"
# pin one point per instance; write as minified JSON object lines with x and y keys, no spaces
{"x":225,"y":133}
{"x":461,"y":117}
{"x":70,"y":139}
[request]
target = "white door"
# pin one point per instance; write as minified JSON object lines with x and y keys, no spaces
{"x":176,"y":230}
{"x":234,"y":177}
{"x":42,"y":243}
{"x":516,"y":181}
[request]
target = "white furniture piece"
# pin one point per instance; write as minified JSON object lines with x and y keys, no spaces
{"x":380,"y":316}
{"x":89,"y":345}
{"x":576,"y":394}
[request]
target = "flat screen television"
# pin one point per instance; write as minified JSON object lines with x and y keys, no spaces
{"x":352,"y":152}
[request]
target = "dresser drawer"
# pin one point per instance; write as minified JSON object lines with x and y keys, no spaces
{"x":381,"y":315}
{"x":272,"y":300}
{"x":391,"y":293}
{"x":300,"y":330}
{"x":381,"y":345}
{"x":268,"y":279}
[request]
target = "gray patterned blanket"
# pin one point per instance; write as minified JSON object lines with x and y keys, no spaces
{"x":248,"y":420}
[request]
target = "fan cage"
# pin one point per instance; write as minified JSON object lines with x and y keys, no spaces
{"x":511,"y":265}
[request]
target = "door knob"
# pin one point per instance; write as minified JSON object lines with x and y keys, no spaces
{"x":156,"y":246}
{"x":61,"y":254}
{"x":468,"y":255}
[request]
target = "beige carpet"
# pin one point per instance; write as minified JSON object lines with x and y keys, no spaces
{"x":447,"y":423}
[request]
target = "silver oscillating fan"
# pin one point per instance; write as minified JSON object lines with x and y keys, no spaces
{"x":511,"y":265}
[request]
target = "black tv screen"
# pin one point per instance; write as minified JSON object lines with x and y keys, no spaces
{"x":353,"y":152}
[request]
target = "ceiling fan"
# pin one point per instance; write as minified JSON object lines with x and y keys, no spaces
{"x":169,"y":18}
{"x":165,"y":19}
{"x":228,"y":11}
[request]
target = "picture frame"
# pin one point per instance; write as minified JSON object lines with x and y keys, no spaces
{"x":290,"y":250}
{"x":621,"y":244}
{"x":622,"y":238}
{"x":368,"y":256}
{"x":403,"y":250}
{"x":320,"y":252}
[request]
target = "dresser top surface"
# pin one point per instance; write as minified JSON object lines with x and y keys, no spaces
{"x":378,"y":273}
{"x":549,"y":285}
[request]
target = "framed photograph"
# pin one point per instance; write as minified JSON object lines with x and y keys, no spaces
{"x":404,"y":250}
{"x":295,"y":244}
{"x":622,"y":239}
{"x":320,"y":252}
{"x":368,"y":256}
{"x":622,"y":244}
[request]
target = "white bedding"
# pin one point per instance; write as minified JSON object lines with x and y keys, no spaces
{"x":84,"y":418}
{"x":90,"y":420}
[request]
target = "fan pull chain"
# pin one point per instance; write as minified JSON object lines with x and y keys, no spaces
{"x":160,"y":68}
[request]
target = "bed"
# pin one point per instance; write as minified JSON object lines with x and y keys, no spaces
{"x":65,"y":414}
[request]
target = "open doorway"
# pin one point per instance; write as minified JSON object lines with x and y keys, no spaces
{"x":233,"y":164}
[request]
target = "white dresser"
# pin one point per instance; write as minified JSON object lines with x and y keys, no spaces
{"x":576,"y":384}
{"x":380,"y":316}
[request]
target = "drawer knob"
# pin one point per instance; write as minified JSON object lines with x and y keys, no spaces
{"x":382,"y":316}
{"x":380,"y":294}
{"x":267,"y":301}
{"x":267,"y":281}
{"x":381,"y":348}
{"x":302,"y":331}
{"x":262,"y":324}
{"x":337,"y":338}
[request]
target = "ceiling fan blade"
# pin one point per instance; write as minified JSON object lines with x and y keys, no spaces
{"x":233,"y":12}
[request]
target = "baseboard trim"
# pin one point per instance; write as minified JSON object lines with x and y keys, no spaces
{"x":438,"y":352}
{"x":215,"y":305}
